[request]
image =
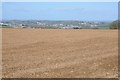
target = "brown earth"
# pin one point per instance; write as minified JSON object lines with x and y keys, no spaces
{"x":60,"y":53}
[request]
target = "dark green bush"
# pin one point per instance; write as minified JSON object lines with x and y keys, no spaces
{"x":114,"y":25}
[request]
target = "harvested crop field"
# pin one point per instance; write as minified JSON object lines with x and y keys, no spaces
{"x":59,"y":53}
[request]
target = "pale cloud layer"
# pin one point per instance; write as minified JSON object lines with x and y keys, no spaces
{"x":60,"y":0}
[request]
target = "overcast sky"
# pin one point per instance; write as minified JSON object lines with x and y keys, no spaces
{"x":88,"y":11}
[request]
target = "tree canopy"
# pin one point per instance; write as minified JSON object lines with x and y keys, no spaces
{"x":115,"y":25}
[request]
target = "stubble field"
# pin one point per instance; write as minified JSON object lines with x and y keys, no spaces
{"x":59,"y":53}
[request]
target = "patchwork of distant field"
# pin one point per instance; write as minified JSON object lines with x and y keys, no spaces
{"x":59,"y":53}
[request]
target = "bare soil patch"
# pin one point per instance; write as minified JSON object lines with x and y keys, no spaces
{"x":60,"y":53}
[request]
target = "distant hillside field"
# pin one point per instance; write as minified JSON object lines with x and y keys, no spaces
{"x":104,"y":26}
{"x":5,"y":27}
